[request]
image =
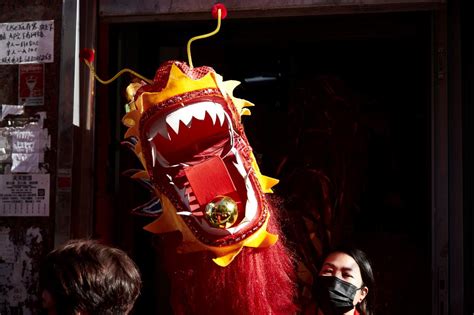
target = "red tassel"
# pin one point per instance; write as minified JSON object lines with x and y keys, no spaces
{"x":87,"y":54}
{"x":215,"y":10}
{"x":258,"y":281}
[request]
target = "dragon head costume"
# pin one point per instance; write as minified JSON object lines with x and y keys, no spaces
{"x":187,"y":132}
{"x":185,"y":127}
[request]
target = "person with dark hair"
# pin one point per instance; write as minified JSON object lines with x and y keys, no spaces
{"x":84,"y":277}
{"x":346,"y":284}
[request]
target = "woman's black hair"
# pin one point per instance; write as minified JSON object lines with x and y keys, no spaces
{"x":366,"y":307}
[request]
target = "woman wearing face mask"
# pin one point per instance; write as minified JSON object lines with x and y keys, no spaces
{"x":345,"y":285}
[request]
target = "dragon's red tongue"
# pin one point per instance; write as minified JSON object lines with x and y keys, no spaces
{"x":210,"y":179}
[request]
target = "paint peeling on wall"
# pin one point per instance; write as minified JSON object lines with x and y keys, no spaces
{"x":19,"y":249}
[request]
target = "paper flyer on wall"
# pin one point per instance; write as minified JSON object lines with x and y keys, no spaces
{"x":27,"y":42}
{"x":24,"y":195}
{"x":23,"y":145}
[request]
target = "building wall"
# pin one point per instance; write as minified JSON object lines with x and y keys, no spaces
{"x":24,"y":239}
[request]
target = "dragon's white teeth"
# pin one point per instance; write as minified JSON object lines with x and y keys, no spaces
{"x":158,"y":127}
{"x":252,"y":205}
{"x":187,"y":213}
{"x":238,"y":164}
{"x":185,"y":115}
{"x":156,"y":156}
{"x":182,"y":192}
{"x":221,"y":115}
{"x":212,"y":112}
{"x":200,"y":113}
{"x":173,"y":121}
{"x":197,"y":111}
{"x":153,"y":153}
{"x":161,"y":159}
{"x":182,"y":195}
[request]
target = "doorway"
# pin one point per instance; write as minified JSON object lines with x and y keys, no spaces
{"x":342,"y":102}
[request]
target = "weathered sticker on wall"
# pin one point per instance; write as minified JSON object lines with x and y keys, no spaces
{"x":31,"y":84}
{"x":20,"y":249}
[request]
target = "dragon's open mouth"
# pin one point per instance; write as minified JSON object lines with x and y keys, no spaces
{"x":186,"y":129}
{"x":196,"y":149}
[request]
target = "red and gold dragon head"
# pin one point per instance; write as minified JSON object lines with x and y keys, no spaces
{"x":185,"y":127}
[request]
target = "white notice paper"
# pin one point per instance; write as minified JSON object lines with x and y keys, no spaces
{"x":28,"y":146}
{"x":27,"y":42}
{"x":25,"y":195}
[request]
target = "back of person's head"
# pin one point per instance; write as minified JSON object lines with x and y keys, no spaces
{"x":366,"y":307}
{"x":83,"y":276}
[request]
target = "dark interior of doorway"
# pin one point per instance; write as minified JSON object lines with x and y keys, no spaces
{"x":344,"y":103}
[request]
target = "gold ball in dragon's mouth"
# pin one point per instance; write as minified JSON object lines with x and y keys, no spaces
{"x":221,"y":212}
